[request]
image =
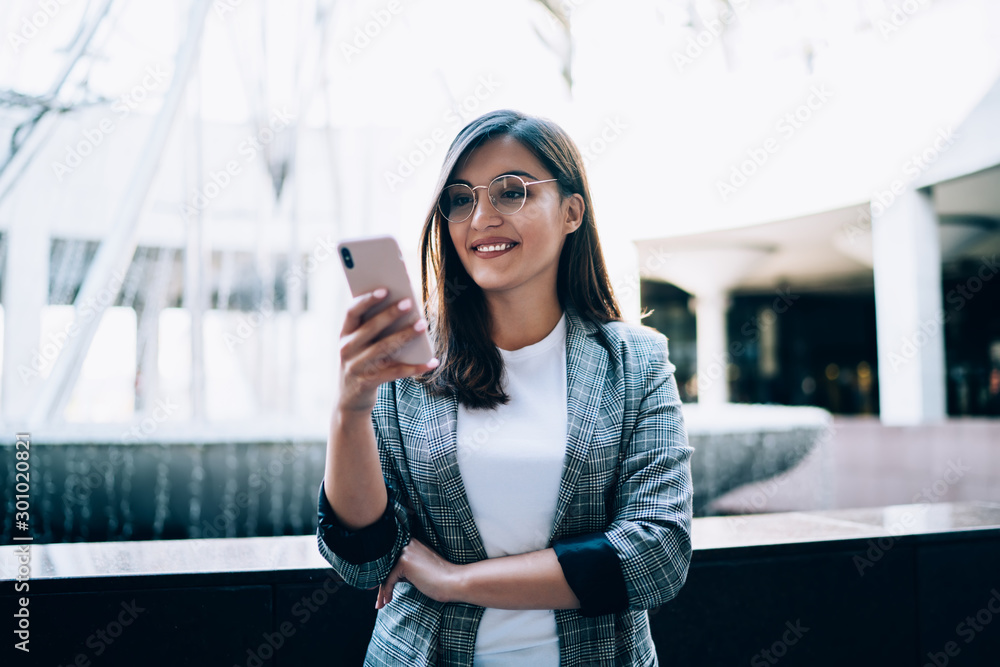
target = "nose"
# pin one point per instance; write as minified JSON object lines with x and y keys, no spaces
{"x":483,"y":212}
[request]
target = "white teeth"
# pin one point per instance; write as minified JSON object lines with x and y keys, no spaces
{"x":494,"y":248}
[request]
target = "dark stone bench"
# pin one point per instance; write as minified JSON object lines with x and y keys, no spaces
{"x":903,"y":585}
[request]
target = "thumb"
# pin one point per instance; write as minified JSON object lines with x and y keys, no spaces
{"x":389,"y":585}
{"x":385,"y":590}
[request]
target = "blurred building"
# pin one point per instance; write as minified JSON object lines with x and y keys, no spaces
{"x":202,"y":195}
{"x":889,"y":307}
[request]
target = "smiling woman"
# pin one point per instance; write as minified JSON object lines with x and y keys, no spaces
{"x":525,"y":497}
{"x":555,"y":258}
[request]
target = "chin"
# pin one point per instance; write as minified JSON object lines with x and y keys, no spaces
{"x":492,"y":283}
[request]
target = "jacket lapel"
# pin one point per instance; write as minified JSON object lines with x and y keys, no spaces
{"x":586,"y":366}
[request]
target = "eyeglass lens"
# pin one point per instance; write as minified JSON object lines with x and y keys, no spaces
{"x":506,"y":193}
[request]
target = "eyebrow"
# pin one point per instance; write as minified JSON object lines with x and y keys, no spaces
{"x":511,"y":172}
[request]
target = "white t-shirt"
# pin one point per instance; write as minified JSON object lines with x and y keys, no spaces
{"x":511,"y":461}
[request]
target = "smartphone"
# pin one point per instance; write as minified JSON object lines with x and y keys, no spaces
{"x":376,"y":261}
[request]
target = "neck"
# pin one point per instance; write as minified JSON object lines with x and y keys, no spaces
{"x":520,"y":320}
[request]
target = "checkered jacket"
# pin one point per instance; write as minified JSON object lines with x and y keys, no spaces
{"x":622,"y":527}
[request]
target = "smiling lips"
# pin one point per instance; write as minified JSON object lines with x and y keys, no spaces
{"x":494,"y":249}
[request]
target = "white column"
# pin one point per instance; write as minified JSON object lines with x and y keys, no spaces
{"x":910,"y":333}
{"x":710,"y":312}
{"x":708,"y":274}
{"x":26,"y":293}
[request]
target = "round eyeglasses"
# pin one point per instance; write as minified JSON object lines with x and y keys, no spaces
{"x":507,"y":194}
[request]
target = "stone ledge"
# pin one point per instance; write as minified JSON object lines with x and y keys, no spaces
{"x":786,"y":533}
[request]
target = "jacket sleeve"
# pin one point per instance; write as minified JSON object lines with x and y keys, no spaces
{"x":364,"y":557}
{"x":642,"y":559}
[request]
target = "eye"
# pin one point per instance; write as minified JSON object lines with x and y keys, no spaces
{"x":511,"y":193}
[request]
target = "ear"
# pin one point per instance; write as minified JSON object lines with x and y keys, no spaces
{"x":574,"y":208}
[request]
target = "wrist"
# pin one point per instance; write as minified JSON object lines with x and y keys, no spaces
{"x":346,"y":414}
{"x":458,"y":583}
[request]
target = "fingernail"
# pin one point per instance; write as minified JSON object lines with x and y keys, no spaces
{"x":405,"y":304}
{"x":380,"y":293}
{"x":420,"y":325}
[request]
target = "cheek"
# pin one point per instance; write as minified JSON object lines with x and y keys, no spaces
{"x":457,"y":240}
{"x":540,"y":234}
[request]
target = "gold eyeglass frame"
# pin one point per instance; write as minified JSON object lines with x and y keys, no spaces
{"x":475,"y":196}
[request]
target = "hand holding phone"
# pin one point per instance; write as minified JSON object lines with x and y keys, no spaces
{"x":379,"y":341}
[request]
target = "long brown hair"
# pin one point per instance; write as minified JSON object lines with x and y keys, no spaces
{"x":455,"y":308}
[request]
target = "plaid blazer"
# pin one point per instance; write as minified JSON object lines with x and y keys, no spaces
{"x":622,"y":527}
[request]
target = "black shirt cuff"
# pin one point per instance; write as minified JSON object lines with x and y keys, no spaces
{"x":594,"y":572}
{"x":356,"y":546}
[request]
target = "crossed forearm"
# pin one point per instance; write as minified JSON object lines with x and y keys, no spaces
{"x":532,"y":580}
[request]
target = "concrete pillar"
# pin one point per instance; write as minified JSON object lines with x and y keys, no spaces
{"x":908,"y":309}
{"x":710,"y":312}
{"x":26,"y":293}
{"x":709,"y":274}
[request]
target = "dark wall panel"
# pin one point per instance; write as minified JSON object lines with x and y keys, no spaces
{"x":959,"y":587}
{"x":187,"y":626}
{"x":810,"y":610}
{"x":326,"y":623}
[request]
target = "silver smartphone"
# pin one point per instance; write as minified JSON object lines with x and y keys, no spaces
{"x":376,"y":261}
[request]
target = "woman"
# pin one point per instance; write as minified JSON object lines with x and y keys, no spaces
{"x":526,"y":499}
